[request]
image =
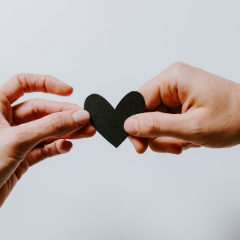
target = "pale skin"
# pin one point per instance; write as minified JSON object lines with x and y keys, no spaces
{"x":186,"y":107}
{"x":25,"y":145}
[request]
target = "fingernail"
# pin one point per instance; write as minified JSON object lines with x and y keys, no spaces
{"x":81,"y":117}
{"x":131,"y":125}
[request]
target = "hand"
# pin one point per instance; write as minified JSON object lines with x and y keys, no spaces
{"x":186,"y":107}
{"x":25,"y":145}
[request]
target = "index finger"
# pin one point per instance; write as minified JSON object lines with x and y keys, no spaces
{"x":26,"y":83}
{"x":151,"y":93}
{"x":170,"y":87}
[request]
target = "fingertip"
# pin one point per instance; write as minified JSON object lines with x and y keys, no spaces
{"x":90,"y":131}
{"x":140,"y":144}
{"x":67,"y":90}
{"x":81,"y":117}
{"x":151,"y":93}
{"x":166,"y":145}
{"x":64,"y":146}
{"x":175,"y":150}
{"x":70,"y":90}
{"x":56,"y":86}
{"x":131,"y":126}
{"x":86,"y":131}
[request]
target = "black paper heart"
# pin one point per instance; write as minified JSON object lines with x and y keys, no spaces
{"x":109,"y":122}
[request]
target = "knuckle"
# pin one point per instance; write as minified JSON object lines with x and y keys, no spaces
{"x":50,"y":150}
{"x":22,"y":80}
{"x":178,"y":68}
{"x":17,"y":76}
{"x":151,"y":124}
{"x":46,"y":152}
{"x":178,"y":65}
{"x":36,"y":113}
{"x":54,"y":149}
{"x":47,"y":77}
{"x":57,"y":122}
{"x":47,"y":81}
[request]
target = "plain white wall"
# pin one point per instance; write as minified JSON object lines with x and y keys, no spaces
{"x":97,"y":192}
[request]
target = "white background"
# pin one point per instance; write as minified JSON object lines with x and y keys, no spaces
{"x":97,"y":192}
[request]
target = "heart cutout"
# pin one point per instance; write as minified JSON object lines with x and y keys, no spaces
{"x":109,"y":122}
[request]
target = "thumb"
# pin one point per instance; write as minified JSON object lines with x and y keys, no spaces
{"x":157,"y":124}
{"x":54,"y":125}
